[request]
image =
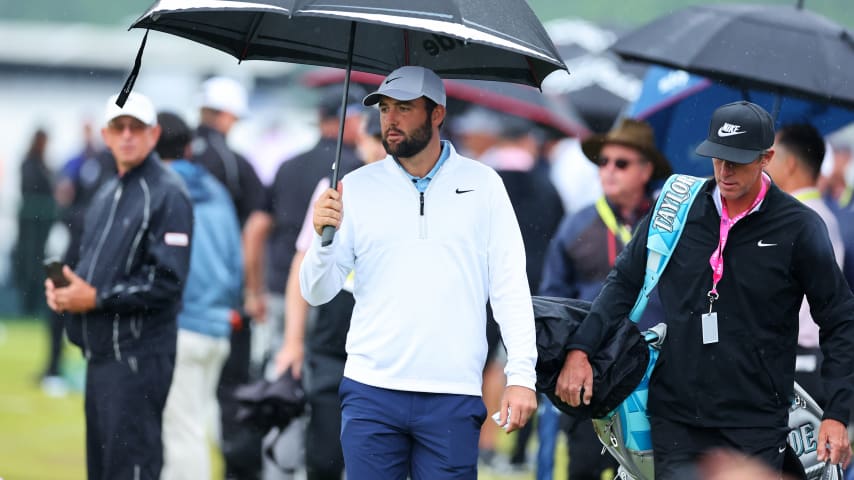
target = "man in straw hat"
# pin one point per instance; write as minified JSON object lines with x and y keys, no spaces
{"x":732,"y":293}
{"x":587,"y":244}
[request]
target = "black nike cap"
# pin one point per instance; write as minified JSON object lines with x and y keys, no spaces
{"x":738,"y":133}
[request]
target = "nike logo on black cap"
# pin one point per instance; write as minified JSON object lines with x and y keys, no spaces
{"x":729,"y":129}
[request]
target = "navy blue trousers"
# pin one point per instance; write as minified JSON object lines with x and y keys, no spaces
{"x":391,"y":434}
{"x":124,"y":414}
{"x":678,"y":447}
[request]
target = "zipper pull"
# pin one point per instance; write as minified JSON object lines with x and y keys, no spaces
{"x":422,"y":204}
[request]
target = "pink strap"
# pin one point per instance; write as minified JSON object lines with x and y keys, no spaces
{"x":717,"y":258}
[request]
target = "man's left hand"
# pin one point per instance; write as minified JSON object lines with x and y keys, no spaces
{"x":522,"y":402}
{"x":833,"y":433}
{"x":77,"y":297}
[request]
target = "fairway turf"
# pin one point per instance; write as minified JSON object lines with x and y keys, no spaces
{"x":44,"y":438}
{"x":40,"y":437}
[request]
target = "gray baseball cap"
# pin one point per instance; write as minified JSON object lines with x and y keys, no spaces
{"x":409,"y":83}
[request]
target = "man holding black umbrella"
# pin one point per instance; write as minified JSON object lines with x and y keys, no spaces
{"x":431,"y":236}
{"x":725,"y":373}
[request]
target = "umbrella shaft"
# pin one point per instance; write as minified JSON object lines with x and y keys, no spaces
{"x":328,"y":230}
{"x":336,"y":166}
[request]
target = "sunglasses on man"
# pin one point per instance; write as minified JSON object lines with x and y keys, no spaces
{"x":132,"y":124}
{"x":619,"y":163}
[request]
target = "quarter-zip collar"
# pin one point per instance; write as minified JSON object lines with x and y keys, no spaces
{"x":421,"y":183}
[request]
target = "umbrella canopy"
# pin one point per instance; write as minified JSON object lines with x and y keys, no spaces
{"x":779,"y":48}
{"x":485,"y":39}
{"x":518,"y":100}
{"x":602,"y":85}
{"x":679,"y":105}
{"x":499,"y":40}
{"x":521,"y":101}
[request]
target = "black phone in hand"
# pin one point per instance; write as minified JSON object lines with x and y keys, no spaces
{"x":53,"y":270}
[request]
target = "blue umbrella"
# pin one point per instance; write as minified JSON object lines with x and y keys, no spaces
{"x":679,"y":105}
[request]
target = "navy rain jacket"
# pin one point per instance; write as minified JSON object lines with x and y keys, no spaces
{"x":136,"y":252}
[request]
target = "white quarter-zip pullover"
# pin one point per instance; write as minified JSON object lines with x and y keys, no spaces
{"x":425,"y":268}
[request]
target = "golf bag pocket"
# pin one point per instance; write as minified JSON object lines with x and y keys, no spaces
{"x":804,"y":421}
{"x":625,"y":431}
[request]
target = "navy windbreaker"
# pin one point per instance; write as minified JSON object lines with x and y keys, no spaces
{"x":136,"y":252}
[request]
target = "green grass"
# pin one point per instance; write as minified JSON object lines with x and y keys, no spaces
{"x":43,"y":437}
{"x":40,"y":437}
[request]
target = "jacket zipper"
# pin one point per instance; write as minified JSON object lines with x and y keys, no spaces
{"x":760,"y":354}
{"x":143,"y":185}
{"x":116,"y":351}
{"x":422,"y":226}
{"x":143,"y":227}
{"x":423,"y":220}
{"x":104,"y":233}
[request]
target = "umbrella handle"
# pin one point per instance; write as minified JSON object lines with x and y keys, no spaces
{"x":329,"y":230}
{"x":328,"y":235}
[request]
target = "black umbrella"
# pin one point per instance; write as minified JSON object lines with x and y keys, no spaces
{"x":784,"y":49}
{"x":602,"y":85}
{"x":498,"y":40}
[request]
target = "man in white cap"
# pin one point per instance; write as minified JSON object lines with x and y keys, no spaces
{"x":431,"y":236}
{"x":124,"y":295}
{"x":732,"y":294}
{"x":223,"y":103}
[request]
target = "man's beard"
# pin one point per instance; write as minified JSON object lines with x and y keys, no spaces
{"x":413,"y":144}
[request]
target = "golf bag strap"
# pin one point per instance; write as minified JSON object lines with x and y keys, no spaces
{"x":665,"y":228}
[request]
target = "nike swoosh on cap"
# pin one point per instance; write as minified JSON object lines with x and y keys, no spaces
{"x":391,"y":80}
{"x":724,"y":133}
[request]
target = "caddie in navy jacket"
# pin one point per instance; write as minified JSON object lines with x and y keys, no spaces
{"x":746,"y":378}
{"x":125,"y":294}
{"x":731,"y":296}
